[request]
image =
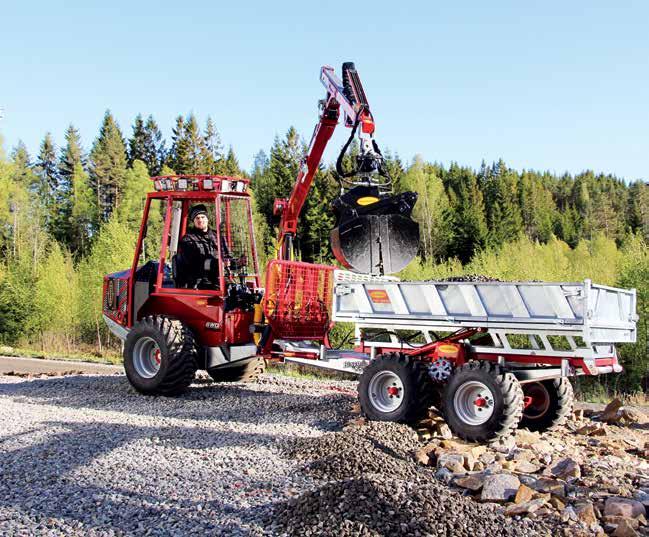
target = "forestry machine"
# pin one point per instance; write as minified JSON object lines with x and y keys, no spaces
{"x":490,"y":355}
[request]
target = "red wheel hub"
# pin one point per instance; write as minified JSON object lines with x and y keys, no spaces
{"x":480,"y":402}
{"x":156,"y":356}
{"x":393,"y":390}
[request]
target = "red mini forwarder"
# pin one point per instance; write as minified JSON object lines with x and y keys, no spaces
{"x":142,"y":305}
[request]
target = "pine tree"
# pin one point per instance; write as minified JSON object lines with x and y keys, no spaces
{"x":466,"y":213}
{"x":137,"y":149}
{"x":259,"y":167}
{"x":499,"y":186}
{"x":394,"y":167}
{"x":83,"y":214}
{"x":22,"y":172}
{"x":188,"y":149}
{"x":231,"y":164}
{"x":317,"y":220}
{"x":45,"y":188}
{"x":638,"y":208}
{"x":155,"y":153}
{"x":146,"y":144}
{"x":108,"y":167}
{"x":283,"y":165}
{"x":537,"y":208}
{"x":213,"y":149}
{"x":71,"y":157}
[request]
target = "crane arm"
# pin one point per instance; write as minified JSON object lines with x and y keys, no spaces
{"x":347,"y":96}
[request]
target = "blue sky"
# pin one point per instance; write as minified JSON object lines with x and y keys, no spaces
{"x":562,"y":86}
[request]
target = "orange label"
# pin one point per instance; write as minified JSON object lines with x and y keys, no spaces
{"x":378,"y":296}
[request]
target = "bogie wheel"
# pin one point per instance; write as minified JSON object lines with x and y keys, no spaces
{"x":548,"y":404}
{"x":160,"y":356}
{"x":482,"y":401}
{"x":247,"y":372}
{"x":395,"y":387}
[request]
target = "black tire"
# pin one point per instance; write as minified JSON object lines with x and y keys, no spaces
{"x":552,"y":403}
{"x":415,"y":393}
{"x":174,"y":346}
{"x":246,"y":372}
{"x":504,"y":399}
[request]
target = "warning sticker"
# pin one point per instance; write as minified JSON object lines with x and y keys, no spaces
{"x":378,"y":296}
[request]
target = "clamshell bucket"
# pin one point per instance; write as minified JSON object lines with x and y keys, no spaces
{"x":374,"y":232}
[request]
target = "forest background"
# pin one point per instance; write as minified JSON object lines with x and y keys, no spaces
{"x":69,"y":216}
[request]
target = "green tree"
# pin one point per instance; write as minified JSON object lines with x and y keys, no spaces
{"x":499,"y":186}
{"x":48,"y":181}
{"x":22,"y":166}
{"x":231,"y":164}
{"x":138,"y":185}
{"x":108,"y":167}
{"x":188,"y":149}
{"x":83,"y":212}
{"x":431,"y":210}
{"x":137,"y":142}
{"x":537,"y":207}
{"x":281,"y":173}
{"x":54,"y":313}
{"x":70,"y":159}
{"x":112,"y":250}
{"x":466,"y":214}
{"x":212,"y":148}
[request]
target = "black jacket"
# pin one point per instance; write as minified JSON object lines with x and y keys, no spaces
{"x":197,"y":260}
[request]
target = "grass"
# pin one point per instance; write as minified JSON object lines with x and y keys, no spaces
{"x":112,"y":358}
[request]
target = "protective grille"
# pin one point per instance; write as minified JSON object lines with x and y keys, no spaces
{"x":115,"y":298}
{"x":298,"y":299}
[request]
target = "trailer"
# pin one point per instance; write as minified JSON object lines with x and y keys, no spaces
{"x":491,"y":355}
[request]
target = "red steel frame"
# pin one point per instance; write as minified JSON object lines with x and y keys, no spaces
{"x":213,"y":196}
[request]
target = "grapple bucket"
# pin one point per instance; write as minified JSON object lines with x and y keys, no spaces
{"x":374,"y":233}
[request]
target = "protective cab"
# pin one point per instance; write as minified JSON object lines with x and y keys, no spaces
{"x":218,"y":315}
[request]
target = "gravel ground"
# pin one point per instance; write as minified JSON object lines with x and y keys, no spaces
{"x":86,"y":455}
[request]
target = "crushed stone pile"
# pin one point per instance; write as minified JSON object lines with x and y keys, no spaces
{"x":369,"y":485}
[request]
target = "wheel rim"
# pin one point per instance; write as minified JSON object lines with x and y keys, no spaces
{"x":473,"y":402}
{"x":146,"y":357}
{"x":539,"y":401}
{"x":386,"y":391}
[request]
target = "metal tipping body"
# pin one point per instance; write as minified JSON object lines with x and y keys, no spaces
{"x":541,"y":330}
{"x":596,"y":313}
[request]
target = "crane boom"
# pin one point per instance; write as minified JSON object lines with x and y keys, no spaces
{"x":368,"y":204}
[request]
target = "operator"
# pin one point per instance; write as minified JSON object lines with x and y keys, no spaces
{"x":197,"y":264}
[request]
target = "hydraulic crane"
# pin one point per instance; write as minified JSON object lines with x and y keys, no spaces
{"x":374,"y":233}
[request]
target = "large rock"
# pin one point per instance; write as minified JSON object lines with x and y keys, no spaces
{"x":565,"y":468}
{"x":552,"y":486}
{"x":471,"y":482}
{"x":523,"y":494}
{"x":586,"y":513}
{"x":624,"y":529}
{"x":527,"y":467}
{"x":499,"y":487}
{"x":623,"y":507}
{"x":451,"y":461}
{"x":610,"y":413}
{"x":524,"y":437}
{"x":524,"y":508}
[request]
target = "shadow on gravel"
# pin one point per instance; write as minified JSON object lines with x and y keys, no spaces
{"x":42,"y":481}
{"x":216,"y":402}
